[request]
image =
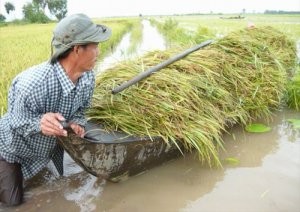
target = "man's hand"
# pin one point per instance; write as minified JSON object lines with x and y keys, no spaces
{"x":50,"y":124}
{"x":79,"y":130}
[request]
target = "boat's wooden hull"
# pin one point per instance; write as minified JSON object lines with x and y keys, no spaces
{"x":117,"y":156}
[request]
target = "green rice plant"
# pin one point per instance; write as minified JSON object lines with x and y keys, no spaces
{"x":192,"y":102}
{"x":295,"y":123}
{"x":203,"y":34}
{"x":293,"y":91}
{"x":174,"y":35}
{"x":231,"y":161}
{"x":21,"y":47}
{"x":257,"y":128}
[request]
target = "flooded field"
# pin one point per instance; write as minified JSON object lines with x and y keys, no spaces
{"x":266,"y":178}
{"x":152,"y":40}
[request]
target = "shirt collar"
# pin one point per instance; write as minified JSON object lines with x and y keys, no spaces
{"x":66,"y":83}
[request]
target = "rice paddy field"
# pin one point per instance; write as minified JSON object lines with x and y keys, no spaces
{"x":249,"y":75}
{"x":286,"y":23}
{"x":23,"y":46}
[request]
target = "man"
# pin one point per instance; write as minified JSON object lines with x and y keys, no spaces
{"x":44,"y":96}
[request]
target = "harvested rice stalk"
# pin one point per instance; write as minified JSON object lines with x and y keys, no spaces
{"x":193,"y":101}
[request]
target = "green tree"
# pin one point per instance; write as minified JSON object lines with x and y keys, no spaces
{"x":58,"y":8}
{"x":40,"y":3}
{"x":2,"y":18}
{"x":9,"y":7}
{"x":34,"y":14}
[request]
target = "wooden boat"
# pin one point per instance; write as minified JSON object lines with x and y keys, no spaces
{"x":116,"y":156}
{"x":233,"y":17}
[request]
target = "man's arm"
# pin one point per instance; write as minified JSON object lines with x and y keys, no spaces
{"x":28,"y":119}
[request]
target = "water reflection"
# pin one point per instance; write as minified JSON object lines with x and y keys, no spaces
{"x":185,"y":184}
{"x":118,"y":55}
{"x":152,"y":40}
{"x":84,"y":191}
{"x":268,"y":179}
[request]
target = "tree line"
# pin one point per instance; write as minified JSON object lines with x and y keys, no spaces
{"x":35,"y":11}
{"x":281,"y":12}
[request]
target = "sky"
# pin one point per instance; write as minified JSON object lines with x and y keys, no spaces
{"x":98,"y":8}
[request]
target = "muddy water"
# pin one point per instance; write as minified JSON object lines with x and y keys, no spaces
{"x":267,"y":178}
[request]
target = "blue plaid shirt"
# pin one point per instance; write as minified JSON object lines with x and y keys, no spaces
{"x":41,"y":89}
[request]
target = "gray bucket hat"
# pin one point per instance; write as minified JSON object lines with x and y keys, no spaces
{"x":76,"y":29}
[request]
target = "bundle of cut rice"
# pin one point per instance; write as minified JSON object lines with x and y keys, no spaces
{"x":235,"y":80}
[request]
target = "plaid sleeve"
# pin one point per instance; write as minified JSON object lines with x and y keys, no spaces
{"x":25,"y":116}
{"x":79,"y":118}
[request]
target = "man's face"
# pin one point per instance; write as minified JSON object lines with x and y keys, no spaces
{"x":88,"y":55}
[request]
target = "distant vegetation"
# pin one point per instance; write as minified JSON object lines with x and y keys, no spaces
{"x":281,"y":12}
{"x":34,"y":12}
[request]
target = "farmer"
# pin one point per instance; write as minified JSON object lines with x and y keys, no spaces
{"x":44,"y":96}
